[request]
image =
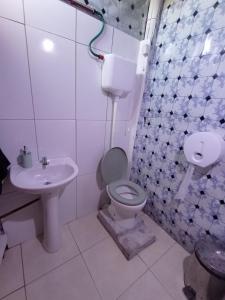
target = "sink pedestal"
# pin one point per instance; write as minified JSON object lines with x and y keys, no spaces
{"x":52,"y":228}
{"x":49,"y":182}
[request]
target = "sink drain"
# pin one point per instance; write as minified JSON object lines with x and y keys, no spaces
{"x":47,"y":182}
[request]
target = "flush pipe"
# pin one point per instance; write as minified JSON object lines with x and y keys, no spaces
{"x":113,"y":123}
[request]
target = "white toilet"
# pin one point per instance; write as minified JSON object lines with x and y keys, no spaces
{"x":127,"y":198}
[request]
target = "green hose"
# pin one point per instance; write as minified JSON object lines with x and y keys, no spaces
{"x":99,"y":56}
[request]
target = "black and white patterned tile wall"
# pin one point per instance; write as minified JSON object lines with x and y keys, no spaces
{"x":184,"y":93}
{"x":129,"y":16}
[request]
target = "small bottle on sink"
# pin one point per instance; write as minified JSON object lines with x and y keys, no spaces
{"x":25,"y":158}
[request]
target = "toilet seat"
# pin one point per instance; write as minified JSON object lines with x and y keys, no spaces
{"x":123,"y":193}
{"x":138,"y":196}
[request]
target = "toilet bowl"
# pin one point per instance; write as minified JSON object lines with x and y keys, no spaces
{"x":127,"y":198}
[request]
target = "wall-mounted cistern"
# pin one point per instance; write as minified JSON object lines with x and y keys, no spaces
{"x":118,"y":76}
{"x":47,"y":179}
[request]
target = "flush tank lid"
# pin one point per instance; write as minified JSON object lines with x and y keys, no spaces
{"x":114,"y":165}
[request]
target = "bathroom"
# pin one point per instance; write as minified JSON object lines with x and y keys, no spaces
{"x":60,"y":115}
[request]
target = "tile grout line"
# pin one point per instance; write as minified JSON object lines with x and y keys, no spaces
{"x":53,"y":269}
{"x":16,"y":290}
{"x":161,"y":256}
{"x":76,"y":130}
{"x":31,"y":84}
{"x":56,"y":267}
{"x":163,"y":286}
{"x":132,"y":284}
{"x":147,"y":270}
{"x":66,"y":261}
{"x":60,"y":36}
{"x":92,"y":278}
{"x":161,"y":283}
{"x":21,"y":254}
{"x":95,"y":244}
{"x":84,"y":250}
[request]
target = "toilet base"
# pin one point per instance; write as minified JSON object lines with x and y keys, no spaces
{"x":122,"y":211}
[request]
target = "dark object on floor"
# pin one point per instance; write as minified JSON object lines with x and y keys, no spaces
{"x":4,"y":163}
{"x":189,"y":293}
{"x":130,"y":235}
{"x":206,"y":285}
{"x":211,"y":255}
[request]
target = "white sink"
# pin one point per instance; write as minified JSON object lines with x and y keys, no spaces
{"x":49,"y":182}
{"x":38,"y":180}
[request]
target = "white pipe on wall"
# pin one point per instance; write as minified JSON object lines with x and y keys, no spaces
{"x":113,"y":123}
{"x":154,"y":13}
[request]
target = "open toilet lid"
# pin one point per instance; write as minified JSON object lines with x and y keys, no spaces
{"x":114,"y":165}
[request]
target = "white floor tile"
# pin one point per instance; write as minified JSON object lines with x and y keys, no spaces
{"x":38,"y":262}
{"x":110,"y":270}
{"x":87,"y":231}
{"x":18,"y":295}
{"x":68,"y":282}
{"x":169,"y":271}
{"x":11,"y":272}
{"x":162,"y":244}
{"x":146,"y":288}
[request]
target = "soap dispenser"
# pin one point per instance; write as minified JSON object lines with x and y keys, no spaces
{"x":25,"y":158}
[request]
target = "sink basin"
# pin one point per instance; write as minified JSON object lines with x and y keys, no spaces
{"x":39,"y":180}
{"x":48,"y":182}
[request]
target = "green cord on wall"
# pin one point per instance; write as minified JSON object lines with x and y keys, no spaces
{"x":99,"y":56}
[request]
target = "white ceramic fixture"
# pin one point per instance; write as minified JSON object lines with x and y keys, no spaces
{"x":49,"y":181}
{"x":201,"y":149}
{"x":118,"y":76}
{"x":127,"y":198}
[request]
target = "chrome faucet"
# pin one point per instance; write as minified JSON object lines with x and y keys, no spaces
{"x":44,"y":161}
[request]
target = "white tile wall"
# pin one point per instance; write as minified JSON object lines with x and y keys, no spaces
{"x":90,"y":145}
{"x":91,"y":102}
{"x":88,"y":194}
{"x":86,"y":33}
{"x":52,"y":65}
{"x":56,"y":138}
{"x":122,"y":136}
{"x":51,"y":98}
{"x":12,"y":9}
{"x":15,"y":94}
{"x":14,"y":134}
{"x":51,"y":15}
{"x":124,"y":108}
{"x":67,"y":203}
{"x":125,"y":45}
